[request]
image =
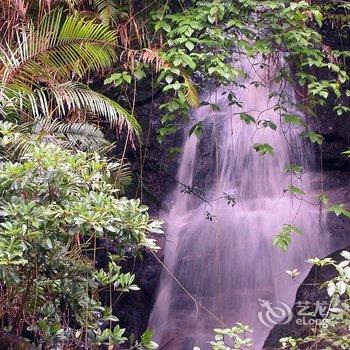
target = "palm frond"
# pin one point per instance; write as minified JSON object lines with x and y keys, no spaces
{"x":70,"y":96}
{"x":57,"y":47}
{"x":108,"y":11}
{"x":82,"y":136}
{"x":145,"y":55}
{"x":63,"y":98}
{"x":121,"y":174}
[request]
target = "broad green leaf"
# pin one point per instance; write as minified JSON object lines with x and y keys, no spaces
{"x":263,"y":148}
{"x":323,"y":198}
{"x":247,"y":118}
{"x":284,"y":237}
{"x":292,"y":119}
{"x":295,"y":190}
{"x":197,"y":129}
{"x":189,"y":45}
{"x":339,"y":209}
{"x":313,"y":137}
{"x":293,"y":168}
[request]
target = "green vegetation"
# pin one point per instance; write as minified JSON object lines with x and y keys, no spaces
{"x":43,"y":70}
{"x":57,"y":206}
{"x":233,"y":338}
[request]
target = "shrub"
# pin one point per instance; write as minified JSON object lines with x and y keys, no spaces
{"x":56,"y":205}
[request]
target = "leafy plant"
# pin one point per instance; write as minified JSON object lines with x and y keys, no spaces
{"x":263,"y":148}
{"x":284,"y":237}
{"x":235,"y":338}
{"x":56,"y":205}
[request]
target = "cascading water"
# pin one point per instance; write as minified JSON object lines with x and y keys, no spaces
{"x":229,"y":263}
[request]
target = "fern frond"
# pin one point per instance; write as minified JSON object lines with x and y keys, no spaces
{"x":192,"y":97}
{"x":147,"y":56}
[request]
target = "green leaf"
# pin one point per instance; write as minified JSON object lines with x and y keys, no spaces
{"x":177,"y":61}
{"x":272,"y":125}
{"x":295,"y":169}
{"x":263,"y":148}
{"x":214,"y":107}
{"x":318,"y":16}
{"x":323,"y":198}
{"x":189,"y":45}
{"x":197,"y":129}
{"x":313,"y":137}
{"x":166,"y":26}
{"x":247,"y":118}
{"x":347,"y":153}
{"x":139,"y":73}
{"x":324,"y":93}
{"x":146,"y":340}
{"x":283,"y":239}
{"x":169,"y":78}
{"x":127,"y":78}
{"x":339,"y":209}
{"x":114,"y":78}
{"x":292,"y":119}
{"x":295,"y":190}
{"x":174,"y":150}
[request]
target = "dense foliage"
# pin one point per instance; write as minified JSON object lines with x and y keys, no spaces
{"x":55,"y":206}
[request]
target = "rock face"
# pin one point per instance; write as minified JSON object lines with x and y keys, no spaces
{"x":133,"y":308}
{"x":151,"y":168}
{"x":152,"y":182}
{"x":335,"y":130}
{"x":10,"y":341}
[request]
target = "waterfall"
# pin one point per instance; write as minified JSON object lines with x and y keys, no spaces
{"x":229,"y":263}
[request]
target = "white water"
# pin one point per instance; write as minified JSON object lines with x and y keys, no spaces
{"x":229,"y":263}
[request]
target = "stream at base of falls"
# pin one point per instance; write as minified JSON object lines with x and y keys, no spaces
{"x":222,"y":254}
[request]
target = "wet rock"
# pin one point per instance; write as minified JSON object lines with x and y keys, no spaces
{"x":335,"y":130}
{"x":10,"y":341}
{"x":205,"y":168}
